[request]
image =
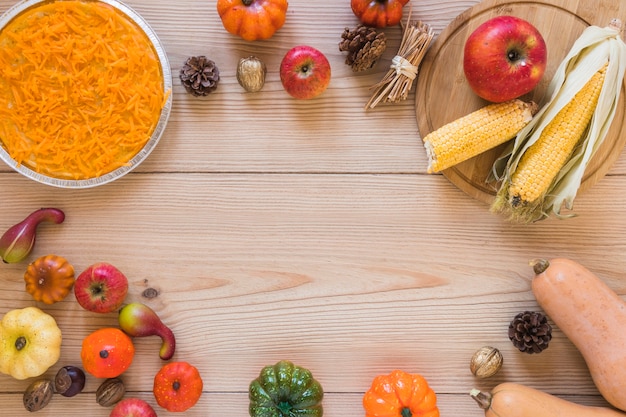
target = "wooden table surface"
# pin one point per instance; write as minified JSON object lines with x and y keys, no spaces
{"x":307,"y":230}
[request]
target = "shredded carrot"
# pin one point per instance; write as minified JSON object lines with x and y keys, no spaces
{"x":81,"y":89}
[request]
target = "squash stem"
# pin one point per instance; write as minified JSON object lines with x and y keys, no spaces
{"x":482,"y":398}
{"x":406,"y":412}
{"x":540,"y":265}
{"x":20,"y":343}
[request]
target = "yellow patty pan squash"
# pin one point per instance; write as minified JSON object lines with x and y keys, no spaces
{"x":30,"y":342}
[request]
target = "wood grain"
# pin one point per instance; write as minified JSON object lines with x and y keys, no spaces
{"x":276,"y":229}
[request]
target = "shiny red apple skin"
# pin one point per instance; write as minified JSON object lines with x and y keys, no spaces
{"x":132,"y":407}
{"x":305,"y":72}
{"x":101,"y":288}
{"x":504,"y":58}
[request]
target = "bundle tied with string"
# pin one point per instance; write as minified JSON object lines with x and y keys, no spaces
{"x":397,"y":82}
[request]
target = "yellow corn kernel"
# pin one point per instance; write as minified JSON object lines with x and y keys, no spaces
{"x":543,"y":160}
{"x":476,"y":133}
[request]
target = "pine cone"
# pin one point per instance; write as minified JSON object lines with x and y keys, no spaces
{"x":530,"y":332}
{"x":364,"y":46}
{"x":199,"y":75}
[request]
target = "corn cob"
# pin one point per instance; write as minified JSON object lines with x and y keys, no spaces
{"x":542,"y":162}
{"x":476,"y":132}
{"x":593,"y":68}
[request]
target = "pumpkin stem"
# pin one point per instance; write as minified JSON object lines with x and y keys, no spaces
{"x":406,"y":412}
{"x":540,"y":265}
{"x":284,"y":407}
{"x":482,"y":398}
{"x":20,"y":343}
{"x":176,"y":385}
{"x":247,"y":2}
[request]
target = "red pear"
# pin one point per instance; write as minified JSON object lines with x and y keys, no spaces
{"x":17,"y":242}
{"x":139,"y":320}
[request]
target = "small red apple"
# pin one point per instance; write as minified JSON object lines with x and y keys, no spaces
{"x":101,"y":288}
{"x":133,"y":407}
{"x":504,"y":58}
{"x":304,"y":72}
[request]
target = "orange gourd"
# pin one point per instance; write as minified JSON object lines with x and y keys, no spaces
{"x":107,"y":352}
{"x":252,"y":19}
{"x":400,"y":394}
{"x":177,"y":386}
{"x":516,"y":400}
{"x":378,"y":13}
{"x":49,"y":278}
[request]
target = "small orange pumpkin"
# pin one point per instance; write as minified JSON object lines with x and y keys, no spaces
{"x":378,"y":13}
{"x":400,"y":394}
{"x":252,"y":19}
{"x":49,"y":279}
{"x":177,"y":386}
{"x":107,"y":352}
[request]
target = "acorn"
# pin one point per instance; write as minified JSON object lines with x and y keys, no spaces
{"x":251,"y":73}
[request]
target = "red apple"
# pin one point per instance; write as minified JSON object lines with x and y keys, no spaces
{"x":133,"y":407}
{"x":504,"y":58}
{"x":304,"y":72}
{"x":101,"y":288}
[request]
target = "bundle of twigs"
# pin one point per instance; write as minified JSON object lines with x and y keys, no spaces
{"x":396,"y":84}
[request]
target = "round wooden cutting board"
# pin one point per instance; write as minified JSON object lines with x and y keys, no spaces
{"x":443,"y":93}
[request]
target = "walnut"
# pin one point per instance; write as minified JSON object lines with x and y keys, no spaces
{"x":486,"y":362}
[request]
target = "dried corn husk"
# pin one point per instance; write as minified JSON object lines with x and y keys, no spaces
{"x":397,"y":82}
{"x":591,"y":51}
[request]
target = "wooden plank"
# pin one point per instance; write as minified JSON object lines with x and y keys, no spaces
{"x":309,"y":232}
{"x":225,"y":403}
{"x":350,"y":275}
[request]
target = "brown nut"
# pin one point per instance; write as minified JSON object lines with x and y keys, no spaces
{"x":110,"y":392}
{"x":486,"y":362}
{"x":251,"y":73}
{"x":38,"y":394}
{"x":69,"y":381}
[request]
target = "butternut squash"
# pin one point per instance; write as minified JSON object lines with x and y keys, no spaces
{"x":592,"y":316}
{"x":515,"y":400}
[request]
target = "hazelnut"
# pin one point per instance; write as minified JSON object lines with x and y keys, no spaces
{"x":486,"y":362}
